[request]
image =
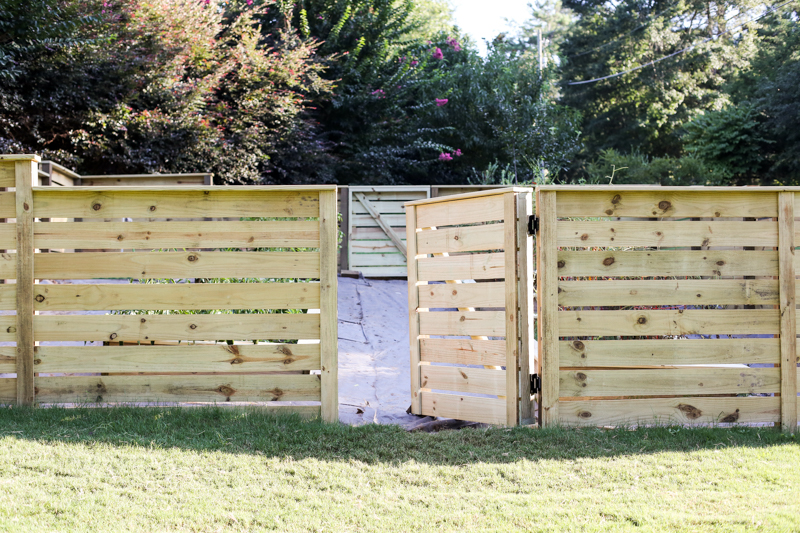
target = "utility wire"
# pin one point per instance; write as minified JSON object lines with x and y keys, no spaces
{"x":688,"y":48}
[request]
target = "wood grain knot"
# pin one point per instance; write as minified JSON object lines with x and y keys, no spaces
{"x":578,"y":345}
{"x":143,"y":320}
{"x":192,"y":258}
{"x":664,"y":205}
{"x":609,"y":212}
{"x":462,"y":319}
{"x":455,"y":292}
{"x":616,"y":199}
{"x":691,"y":412}
{"x":455,"y":238}
{"x":285,"y":350}
{"x":97,"y":207}
{"x":288,"y":361}
{"x":585,"y":414}
{"x":562,"y":264}
{"x":585,"y":236}
{"x":39,"y":298}
{"x":192,"y":326}
{"x":226,"y":390}
{"x":608,"y":261}
{"x":152,"y":208}
{"x":720,"y":263}
{"x":580,"y":376}
{"x":120,"y":237}
{"x":731,"y":418}
{"x":112,"y":336}
{"x":237,"y":361}
{"x":641,"y":320}
{"x":25,"y":206}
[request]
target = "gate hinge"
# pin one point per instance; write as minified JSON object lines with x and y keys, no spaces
{"x":536,"y":383}
{"x":533,"y":224}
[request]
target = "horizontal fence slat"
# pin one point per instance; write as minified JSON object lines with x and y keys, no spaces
{"x":382,"y":271}
{"x":8,"y":204}
{"x":374,"y":247}
{"x":669,"y":322}
{"x":381,"y":206}
{"x":8,"y":265}
{"x":670,"y":411}
{"x":666,"y":203}
{"x":8,"y":329}
{"x":467,"y":211}
{"x":667,"y":263}
{"x":392,"y":196}
{"x":472,"y":408}
{"x":8,"y":175}
{"x":488,"y":323}
{"x":668,"y":381}
{"x":8,"y":391}
{"x":462,"y":379}
{"x":219,"y":202}
{"x":666,"y":233}
{"x":366,"y":221}
{"x":372,"y":234}
{"x":463,"y":351}
{"x":460,"y":295}
{"x":223,"y":388}
{"x":8,"y":296}
{"x":176,"y":296}
{"x":221,"y":358}
{"x":146,"y":328}
{"x":219,"y":234}
{"x":188,"y":264}
{"x":377,"y":260}
{"x":598,"y":353}
{"x":461,"y":239}
{"x":668,"y":292}
{"x":8,"y":359}
{"x":8,"y":236}
{"x":472,"y":266}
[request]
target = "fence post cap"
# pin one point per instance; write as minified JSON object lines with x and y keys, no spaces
{"x":20,"y":157}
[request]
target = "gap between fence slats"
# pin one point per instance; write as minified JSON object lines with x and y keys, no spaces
{"x":594,"y":353}
{"x":666,"y":203}
{"x":463,"y":351}
{"x":467,"y":211}
{"x":223,"y":388}
{"x":668,"y":382}
{"x":461,"y":239}
{"x":491,"y":294}
{"x":145,"y":328}
{"x":457,"y":323}
{"x":187,"y":264}
{"x":460,"y":267}
{"x":667,"y":263}
{"x":483,"y":410}
{"x":671,"y":411}
{"x":183,"y":203}
{"x":666,"y":233}
{"x":198,"y":234}
{"x":221,"y":358}
{"x":462,"y":379}
{"x":176,"y":296}
{"x":624,"y":292}
{"x":669,"y":322}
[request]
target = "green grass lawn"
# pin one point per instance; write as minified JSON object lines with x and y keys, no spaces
{"x":212,"y":469}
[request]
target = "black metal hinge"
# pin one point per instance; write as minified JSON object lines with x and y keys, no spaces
{"x":536,"y":383}
{"x":533,"y":224}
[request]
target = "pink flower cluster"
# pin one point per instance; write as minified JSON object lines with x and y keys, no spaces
{"x":454,"y":44}
{"x":440,"y":102}
{"x":437,"y":54}
{"x":379,"y":93}
{"x":445,"y":156}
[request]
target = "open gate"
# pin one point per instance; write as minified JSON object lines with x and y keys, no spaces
{"x":470,"y":265}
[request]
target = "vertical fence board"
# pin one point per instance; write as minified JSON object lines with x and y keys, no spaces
{"x":788,"y":309}
{"x":547,"y":292}
{"x":525,"y":300}
{"x":344,"y":209}
{"x":512,"y":317}
{"x":413,"y":304}
{"x":26,"y":172}
{"x":328,"y":305}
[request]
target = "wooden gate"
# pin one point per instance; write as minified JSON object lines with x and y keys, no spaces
{"x":470,"y":301}
{"x":665,"y":305}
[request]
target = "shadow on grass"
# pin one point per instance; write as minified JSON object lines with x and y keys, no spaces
{"x":250,"y":431}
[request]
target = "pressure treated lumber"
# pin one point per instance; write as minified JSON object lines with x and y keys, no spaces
{"x":461,"y":239}
{"x":463,"y":351}
{"x":666,"y":202}
{"x":669,"y":322}
{"x":483,"y":410}
{"x":525,"y":292}
{"x":145,"y":328}
{"x":671,"y":411}
{"x":187,"y":264}
{"x":147,"y":202}
{"x":667,"y":263}
{"x":462,"y":379}
{"x":385,"y":222}
{"x":8,"y":204}
{"x":668,"y":382}
{"x":218,"y":358}
{"x":457,"y":323}
{"x":8,"y":236}
{"x":511,"y":309}
{"x":611,"y":353}
{"x":26,"y":170}
{"x":666,"y":233}
{"x":624,"y":292}
{"x":788,"y":309}
{"x":7,"y":174}
{"x":413,"y":310}
{"x":329,"y":332}
{"x":547,"y":294}
{"x":8,"y":391}
{"x":460,"y":267}
{"x":457,"y":211}
{"x":223,"y":388}
{"x":197,"y":234}
{"x":491,"y":294}
{"x":174,"y":296}
{"x":8,"y":359}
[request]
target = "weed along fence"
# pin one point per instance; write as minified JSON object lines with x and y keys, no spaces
{"x":239,"y":309}
{"x":470,"y":298}
{"x":661,"y":305}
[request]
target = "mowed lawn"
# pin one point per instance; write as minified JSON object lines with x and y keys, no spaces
{"x":214,"y":469}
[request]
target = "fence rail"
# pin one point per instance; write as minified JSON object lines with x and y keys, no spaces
{"x":281,"y":261}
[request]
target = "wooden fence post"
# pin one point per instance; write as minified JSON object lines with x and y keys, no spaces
{"x":512,"y":308}
{"x":547,"y":292}
{"x":788,"y":334}
{"x":329,"y":324}
{"x":344,"y":209}
{"x":26,"y":170}
{"x":525,"y":299}
{"x":413,"y":304}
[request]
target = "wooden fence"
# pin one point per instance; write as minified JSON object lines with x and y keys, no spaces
{"x":169,"y":357}
{"x":469,"y":300}
{"x":662,"y":305}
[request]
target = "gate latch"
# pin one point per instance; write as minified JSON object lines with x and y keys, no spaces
{"x":536,"y":383}
{"x":533,"y":224}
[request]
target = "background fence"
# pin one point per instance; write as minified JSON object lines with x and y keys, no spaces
{"x":259,"y":282}
{"x":667,"y":305}
{"x":469,"y":299}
